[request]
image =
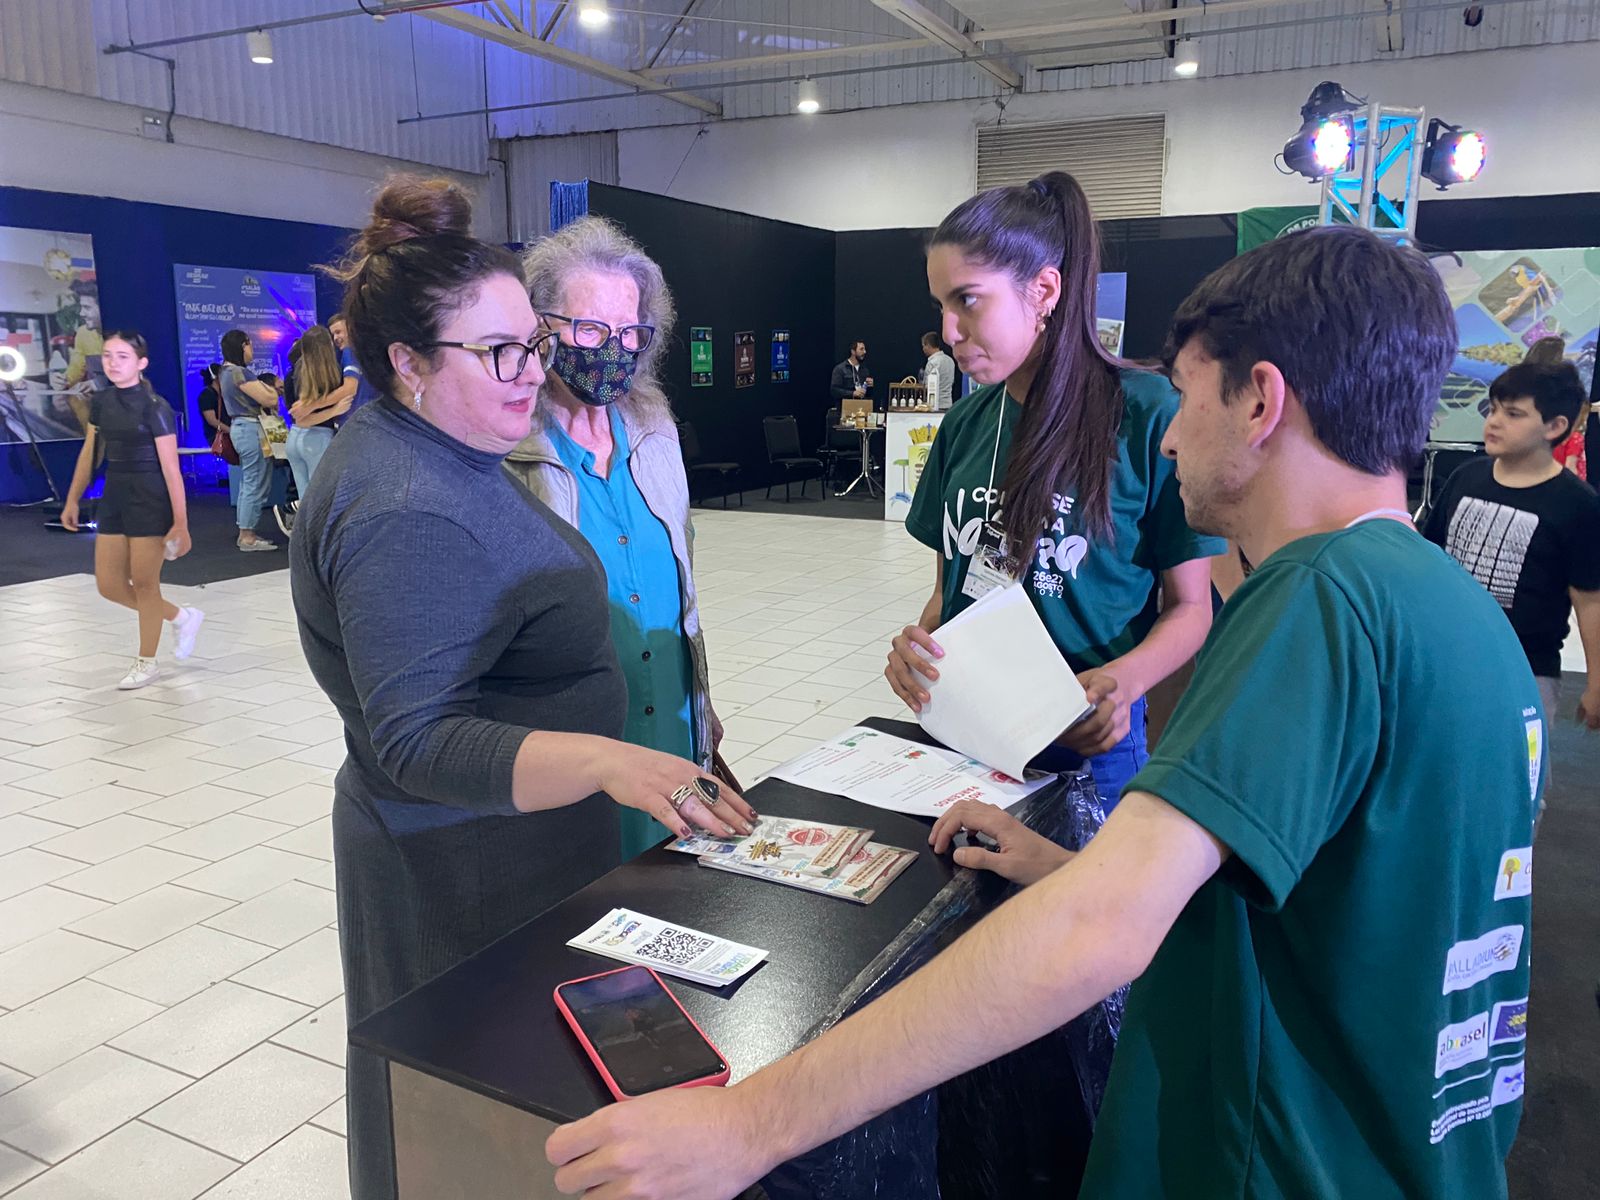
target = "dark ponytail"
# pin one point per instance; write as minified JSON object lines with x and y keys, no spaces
{"x":1067,"y":437}
{"x":413,"y":266}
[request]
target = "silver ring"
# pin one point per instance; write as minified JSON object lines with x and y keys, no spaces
{"x":681,"y":797}
{"x":709,"y":790}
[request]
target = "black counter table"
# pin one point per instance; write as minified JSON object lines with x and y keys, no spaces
{"x":482,"y":1066}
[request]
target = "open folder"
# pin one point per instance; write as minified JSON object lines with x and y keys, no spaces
{"x":1004,"y":692}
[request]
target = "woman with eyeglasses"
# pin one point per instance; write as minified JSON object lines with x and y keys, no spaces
{"x":460,"y":628}
{"x":604,"y":456}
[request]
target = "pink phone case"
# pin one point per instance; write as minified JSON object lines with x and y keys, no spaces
{"x":717,"y":1080}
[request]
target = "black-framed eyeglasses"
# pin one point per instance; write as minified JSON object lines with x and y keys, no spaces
{"x":508,"y":359}
{"x":591,"y":334}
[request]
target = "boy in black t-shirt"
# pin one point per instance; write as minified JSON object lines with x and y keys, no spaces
{"x":1529,"y":530}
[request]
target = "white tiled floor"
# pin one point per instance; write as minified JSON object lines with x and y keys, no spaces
{"x":171,"y":1019}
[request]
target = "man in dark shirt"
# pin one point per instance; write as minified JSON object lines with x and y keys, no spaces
{"x":850,"y":379}
{"x":1528,"y":529}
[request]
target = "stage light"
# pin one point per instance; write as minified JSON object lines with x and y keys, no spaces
{"x":1327,"y":134}
{"x":260,"y":46}
{"x":12,"y":365}
{"x":593,"y":14}
{"x":1186,"y":61}
{"x":1452,"y":154}
{"x":809,"y":102}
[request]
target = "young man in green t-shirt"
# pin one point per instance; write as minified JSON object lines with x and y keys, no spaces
{"x":1322,"y":879}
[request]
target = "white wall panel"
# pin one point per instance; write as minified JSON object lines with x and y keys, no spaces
{"x":532,"y":164}
{"x":909,"y":166}
{"x":342,"y":82}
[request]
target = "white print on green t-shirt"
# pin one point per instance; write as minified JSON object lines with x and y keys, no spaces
{"x":1515,"y":876}
{"x":1480,"y":957}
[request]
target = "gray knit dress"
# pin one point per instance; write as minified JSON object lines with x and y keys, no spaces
{"x":446,"y":613}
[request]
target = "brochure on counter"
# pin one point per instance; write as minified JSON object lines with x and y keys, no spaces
{"x":1004,"y":692}
{"x":862,"y":880}
{"x":669,"y":948}
{"x":890,"y":772}
{"x":833,"y":860}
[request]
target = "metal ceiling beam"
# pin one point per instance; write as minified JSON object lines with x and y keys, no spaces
{"x":671,"y":33}
{"x":508,"y":18}
{"x":525,"y":44}
{"x":936,"y":28}
{"x":711,"y":66}
{"x":1020,"y":33}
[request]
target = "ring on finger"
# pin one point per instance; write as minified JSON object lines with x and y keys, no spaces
{"x":709,"y":791}
{"x":680,"y":797}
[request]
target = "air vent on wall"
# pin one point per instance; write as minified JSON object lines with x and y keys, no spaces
{"x":1120,"y":161}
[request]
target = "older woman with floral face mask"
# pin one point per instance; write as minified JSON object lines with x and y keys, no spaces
{"x":604,"y":455}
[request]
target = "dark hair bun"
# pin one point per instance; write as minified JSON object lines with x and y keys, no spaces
{"x":412,"y":207}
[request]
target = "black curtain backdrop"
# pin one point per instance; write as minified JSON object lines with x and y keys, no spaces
{"x":883,"y":290}
{"x":736,"y":272}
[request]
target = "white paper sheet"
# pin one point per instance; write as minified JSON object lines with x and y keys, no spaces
{"x":668,"y":948}
{"x":891,"y":772}
{"x":1004,"y":692}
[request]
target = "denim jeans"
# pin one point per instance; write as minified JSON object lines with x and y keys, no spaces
{"x":307,"y":445}
{"x":245,"y":433}
{"x":1111,"y":770}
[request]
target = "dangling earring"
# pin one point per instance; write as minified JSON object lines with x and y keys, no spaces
{"x":416,"y":399}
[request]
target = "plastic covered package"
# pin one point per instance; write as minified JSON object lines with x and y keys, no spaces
{"x":1017,"y":1127}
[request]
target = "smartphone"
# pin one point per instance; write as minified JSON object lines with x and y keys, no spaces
{"x":637,"y":1034}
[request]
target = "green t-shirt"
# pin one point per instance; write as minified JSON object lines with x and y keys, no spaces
{"x":1098,"y":600}
{"x":1342,"y":1010}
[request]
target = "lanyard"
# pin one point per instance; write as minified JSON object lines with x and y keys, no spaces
{"x":994,"y":458}
{"x":1398,"y":514}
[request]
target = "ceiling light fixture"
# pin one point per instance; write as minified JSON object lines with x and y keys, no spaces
{"x":260,"y":46}
{"x":808,"y":102}
{"x":593,"y":14}
{"x":1186,"y":59}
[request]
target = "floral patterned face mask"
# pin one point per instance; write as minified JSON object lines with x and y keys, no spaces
{"x":598,"y":376}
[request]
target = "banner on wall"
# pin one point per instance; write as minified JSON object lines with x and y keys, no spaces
{"x":780,"y":356}
{"x":1111,"y":309}
{"x":908,"y":438}
{"x":744,"y":359}
{"x":50,"y":325}
{"x":273,"y":307}
{"x":1505,"y":301}
{"x":1257,"y":226}
{"x":700,"y":356}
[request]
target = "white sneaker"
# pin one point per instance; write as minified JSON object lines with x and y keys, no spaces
{"x":186,"y":628}
{"x":143,"y":671}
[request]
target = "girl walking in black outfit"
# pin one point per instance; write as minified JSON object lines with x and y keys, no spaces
{"x":142,"y":517}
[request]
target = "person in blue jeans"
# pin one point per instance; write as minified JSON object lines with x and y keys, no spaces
{"x":322,"y":396}
{"x":1050,"y":474}
{"x":245,"y":398}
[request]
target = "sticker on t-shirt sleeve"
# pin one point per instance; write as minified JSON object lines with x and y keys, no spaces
{"x":1480,"y":957}
{"x":1509,"y":1023}
{"x":1535,"y":729}
{"x":1462,"y":1043}
{"x":1508,"y":1082}
{"x":1515,"y":876}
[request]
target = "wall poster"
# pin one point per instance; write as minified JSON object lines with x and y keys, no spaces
{"x":908,"y":438}
{"x":780,"y":356}
{"x":744,"y":359}
{"x":700,"y":356}
{"x":1111,"y":309}
{"x":273,"y":307}
{"x":1505,"y":301}
{"x":49,"y":333}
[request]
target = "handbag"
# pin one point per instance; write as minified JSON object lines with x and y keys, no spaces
{"x":222,"y":446}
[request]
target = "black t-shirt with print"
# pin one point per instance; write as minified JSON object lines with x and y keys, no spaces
{"x":1527,"y":545}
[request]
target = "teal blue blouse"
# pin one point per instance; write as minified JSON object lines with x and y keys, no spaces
{"x":642,"y":588}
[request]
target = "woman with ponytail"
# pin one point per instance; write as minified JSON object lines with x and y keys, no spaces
{"x":460,"y":628}
{"x":1052,"y":474}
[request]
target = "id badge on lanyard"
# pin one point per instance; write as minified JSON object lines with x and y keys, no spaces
{"x":990,"y":567}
